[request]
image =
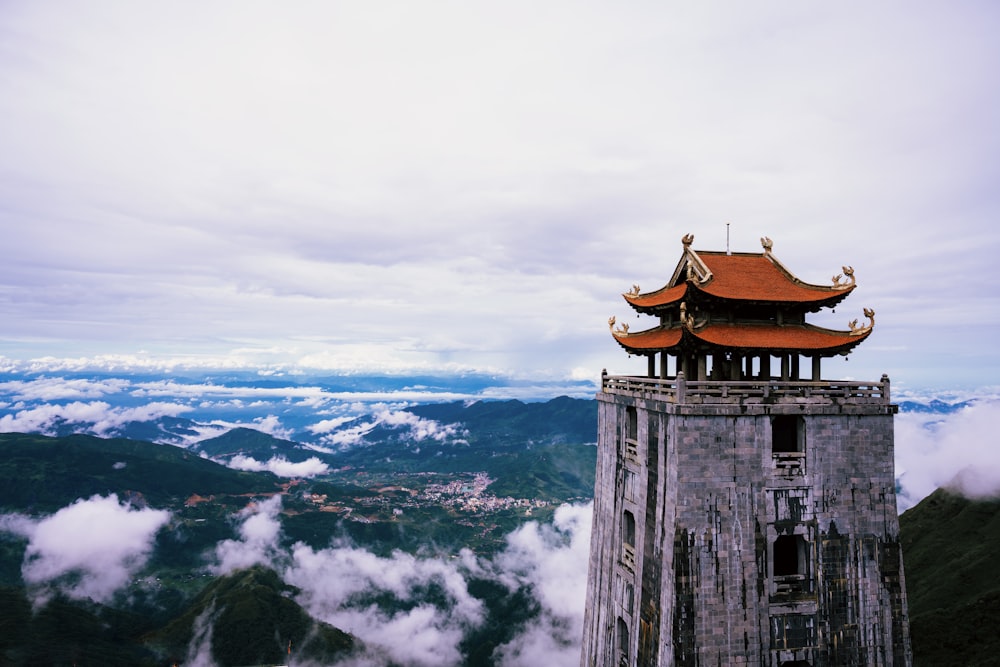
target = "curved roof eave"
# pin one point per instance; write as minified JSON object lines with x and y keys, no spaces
{"x":746,"y":339}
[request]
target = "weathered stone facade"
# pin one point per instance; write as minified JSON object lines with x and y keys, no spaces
{"x":742,"y":523}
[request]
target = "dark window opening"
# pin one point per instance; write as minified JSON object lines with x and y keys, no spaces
{"x":791,"y":567}
{"x":786,"y":434}
{"x":631,"y":434}
{"x":628,"y":540}
{"x":789,"y":556}
{"x":623,"y":639}
{"x":628,"y":528}
{"x":788,"y":445}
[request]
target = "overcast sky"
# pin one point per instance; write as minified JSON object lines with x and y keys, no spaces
{"x":471,"y":186}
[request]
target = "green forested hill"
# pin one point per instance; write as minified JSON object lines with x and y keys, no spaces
{"x":254,"y":621}
{"x":42,"y":474}
{"x":506,"y":423}
{"x":951,"y":545}
{"x":250,"y":442}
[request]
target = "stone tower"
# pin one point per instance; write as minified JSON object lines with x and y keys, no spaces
{"x":743,"y":515}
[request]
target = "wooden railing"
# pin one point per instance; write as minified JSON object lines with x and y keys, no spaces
{"x":678,"y":390}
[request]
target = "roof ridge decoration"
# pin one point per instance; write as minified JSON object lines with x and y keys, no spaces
{"x":623,"y":329}
{"x":850,"y":282}
{"x":857,"y":330}
{"x":849,"y":272}
{"x":697,"y":270}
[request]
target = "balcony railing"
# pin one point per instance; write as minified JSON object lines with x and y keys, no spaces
{"x":789,"y":463}
{"x":679,"y":390}
{"x":628,"y":556}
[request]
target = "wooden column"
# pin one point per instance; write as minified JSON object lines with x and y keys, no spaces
{"x":816,"y":373}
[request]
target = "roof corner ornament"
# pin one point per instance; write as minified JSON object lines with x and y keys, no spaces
{"x":632,"y":292}
{"x":767,"y":243}
{"x":621,"y":331}
{"x":849,"y":272}
{"x":857,"y":330}
{"x":686,"y":319}
{"x":687,"y":240}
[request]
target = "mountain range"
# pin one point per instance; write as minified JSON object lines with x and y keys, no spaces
{"x":448,"y":477}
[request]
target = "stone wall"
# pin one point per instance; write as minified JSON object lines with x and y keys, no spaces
{"x":710,"y":549}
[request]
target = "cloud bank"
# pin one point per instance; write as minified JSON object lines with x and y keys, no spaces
{"x":432,"y":610}
{"x":280,"y":466}
{"x":958,"y":451}
{"x":551,"y":561}
{"x":87,"y":550}
{"x":97,"y":417}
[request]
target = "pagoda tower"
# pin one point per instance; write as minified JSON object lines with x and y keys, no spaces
{"x":743,"y":515}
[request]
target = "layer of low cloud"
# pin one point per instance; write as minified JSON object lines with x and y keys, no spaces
{"x":551,"y":561}
{"x":280,"y":466}
{"x":97,"y":417}
{"x":258,"y":542}
{"x":341,"y":583}
{"x":87,"y":550}
{"x":411,"y":427}
{"x":957,"y":450}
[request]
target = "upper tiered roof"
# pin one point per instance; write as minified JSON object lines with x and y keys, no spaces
{"x":747,"y":303}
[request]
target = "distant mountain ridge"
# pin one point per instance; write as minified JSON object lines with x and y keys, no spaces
{"x":41,"y":474}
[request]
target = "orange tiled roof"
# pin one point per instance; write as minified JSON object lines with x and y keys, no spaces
{"x":756,"y":277}
{"x":661,"y":297}
{"x":743,"y":337}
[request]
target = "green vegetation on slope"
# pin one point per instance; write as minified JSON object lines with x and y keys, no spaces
{"x":42,"y":474}
{"x":950,"y":546}
{"x":254,"y":621}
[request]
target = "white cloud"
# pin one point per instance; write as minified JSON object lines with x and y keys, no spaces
{"x":89,"y":549}
{"x":335,"y":583}
{"x":327,"y":425}
{"x":97,"y":417}
{"x":550,"y":560}
{"x":418,"y":427}
{"x":957,"y":450}
{"x":410,"y":426}
{"x":258,"y":543}
{"x":421,"y":195}
{"x":53,"y":389}
{"x":280,"y":466}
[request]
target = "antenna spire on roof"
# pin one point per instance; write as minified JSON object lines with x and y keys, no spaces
{"x":727,"y":239}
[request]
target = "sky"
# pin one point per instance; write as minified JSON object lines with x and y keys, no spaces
{"x":459,"y":187}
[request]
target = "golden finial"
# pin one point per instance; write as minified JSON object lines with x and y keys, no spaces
{"x":849,"y":272}
{"x":767,"y":244}
{"x":632,"y":292}
{"x":857,"y":330}
{"x":687,"y":239}
{"x":621,"y":331}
